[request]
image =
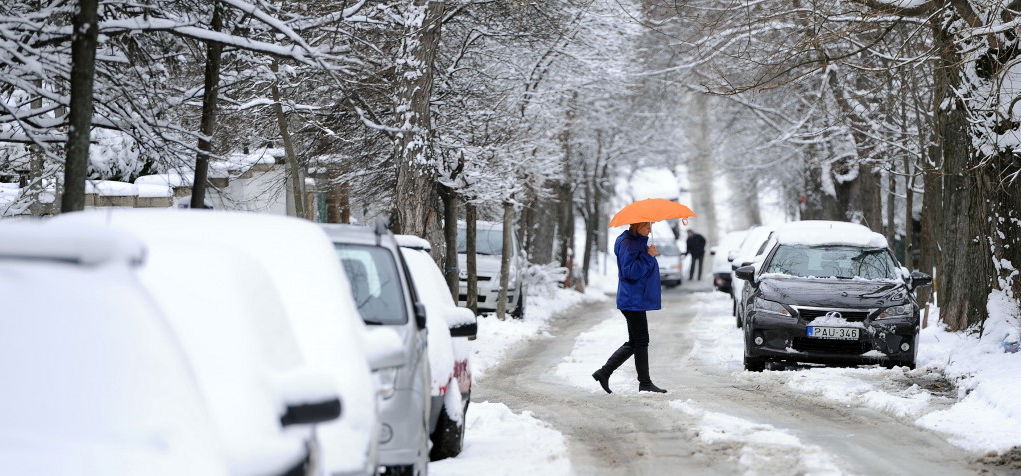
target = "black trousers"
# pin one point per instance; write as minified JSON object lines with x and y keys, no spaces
{"x":691,"y":271}
{"x":637,"y":345}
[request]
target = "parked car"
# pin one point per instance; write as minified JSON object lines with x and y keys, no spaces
{"x":669,"y":259}
{"x":379,"y":281}
{"x":94,"y":382}
{"x":831,"y":293}
{"x":243,"y":353}
{"x":751,"y":253}
{"x":488,"y":250}
{"x":452,"y":379}
{"x":317,"y":303}
{"x":723,"y":255}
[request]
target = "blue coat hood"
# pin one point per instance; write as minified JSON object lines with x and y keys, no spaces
{"x":638,"y":286}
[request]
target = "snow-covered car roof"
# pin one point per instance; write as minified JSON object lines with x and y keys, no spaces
{"x":823,"y":232}
{"x":82,"y":244}
{"x":730,"y":243}
{"x":413,"y":242}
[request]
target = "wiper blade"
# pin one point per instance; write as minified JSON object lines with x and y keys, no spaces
{"x":370,"y":322}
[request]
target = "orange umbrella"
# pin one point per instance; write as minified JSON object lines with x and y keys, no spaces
{"x":653,"y":209}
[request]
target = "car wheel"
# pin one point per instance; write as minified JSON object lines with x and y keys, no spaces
{"x":753,"y":364}
{"x":448,"y":438}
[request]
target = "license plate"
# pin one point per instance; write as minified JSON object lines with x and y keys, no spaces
{"x":840,"y":333}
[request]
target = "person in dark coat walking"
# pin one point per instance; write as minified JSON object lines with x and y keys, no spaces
{"x":695,"y":249}
{"x":638,"y":291}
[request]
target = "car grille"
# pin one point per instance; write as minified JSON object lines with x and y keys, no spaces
{"x":464,"y":297}
{"x":480,"y":278}
{"x":830,"y":346}
{"x":853,"y":316}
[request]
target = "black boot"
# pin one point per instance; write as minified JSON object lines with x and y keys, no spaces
{"x":619,"y":357}
{"x":642,"y":366}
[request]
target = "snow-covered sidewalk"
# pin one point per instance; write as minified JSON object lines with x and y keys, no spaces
{"x":501,"y":442}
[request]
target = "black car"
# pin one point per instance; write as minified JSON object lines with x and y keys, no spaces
{"x":830,"y":304}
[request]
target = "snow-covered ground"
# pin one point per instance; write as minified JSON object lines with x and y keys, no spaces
{"x":983,"y":415}
{"x":501,"y":442}
{"x":764,"y":449}
{"x":496,"y":337}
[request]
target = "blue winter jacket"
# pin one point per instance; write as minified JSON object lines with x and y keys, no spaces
{"x":638,"y":287}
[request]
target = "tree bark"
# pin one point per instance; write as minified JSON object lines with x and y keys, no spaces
{"x":83,"y":69}
{"x":450,"y":271}
{"x":965,"y":272}
{"x":891,"y":199}
{"x":471,"y":259}
{"x":207,"y":126}
{"x":294,"y":172}
{"x":416,"y":193}
{"x":505,"y":260}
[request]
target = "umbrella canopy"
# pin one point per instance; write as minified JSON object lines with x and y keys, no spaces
{"x":653,"y":209}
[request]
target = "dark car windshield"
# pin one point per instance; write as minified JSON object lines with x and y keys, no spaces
{"x":375,"y":283}
{"x":488,"y":241}
{"x":844,"y":262}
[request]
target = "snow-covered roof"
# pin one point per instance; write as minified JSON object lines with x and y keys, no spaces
{"x":413,"y":242}
{"x":822,"y":232}
{"x":111,"y":188}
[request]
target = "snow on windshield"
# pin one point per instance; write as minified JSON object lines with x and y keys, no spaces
{"x":845,"y":262}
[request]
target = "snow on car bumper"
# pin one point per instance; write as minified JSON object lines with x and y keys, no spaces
{"x":785,"y":338}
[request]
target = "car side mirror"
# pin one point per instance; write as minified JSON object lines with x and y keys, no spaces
{"x":311,"y":413}
{"x":310,"y":396}
{"x":420,"y":315}
{"x":384,"y":347}
{"x":462,"y":323}
{"x":745,"y":272}
{"x":919,"y":279}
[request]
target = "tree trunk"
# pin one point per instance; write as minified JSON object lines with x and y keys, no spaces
{"x":294,"y":173}
{"x":700,"y":168}
{"x":415,"y":195}
{"x":471,"y":261}
{"x":505,"y":260}
{"x":83,"y":69}
{"x":450,"y":270}
{"x":891,"y":201}
{"x":909,"y":214}
{"x":207,"y":125}
{"x":966,"y":273}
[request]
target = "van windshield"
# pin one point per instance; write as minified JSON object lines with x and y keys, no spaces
{"x":488,"y":241}
{"x":375,"y":284}
{"x":844,"y":262}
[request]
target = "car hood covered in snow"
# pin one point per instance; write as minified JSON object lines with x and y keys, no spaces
{"x":827,"y":292}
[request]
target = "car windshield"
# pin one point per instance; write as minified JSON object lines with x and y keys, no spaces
{"x":375,"y":283}
{"x":488,"y":241}
{"x":667,"y":248}
{"x":845,"y":262}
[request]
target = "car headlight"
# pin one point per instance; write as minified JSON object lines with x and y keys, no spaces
{"x":905,"y":310}
{"x":762,"y":305}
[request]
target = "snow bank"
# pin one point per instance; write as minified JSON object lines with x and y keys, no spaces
{"x":495,"y":337}
{"x":764,"y":449}
{"x":821,"y":232}
{"x":988,"y":380}
{"x":498,"y":441}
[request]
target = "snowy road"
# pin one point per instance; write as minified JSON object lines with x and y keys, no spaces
{"x":716,"y":419}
